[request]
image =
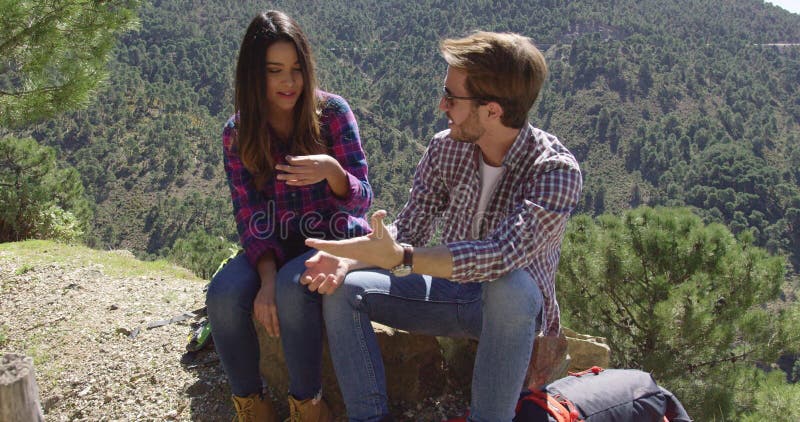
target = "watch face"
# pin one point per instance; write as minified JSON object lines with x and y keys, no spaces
{"x":401,"y":271}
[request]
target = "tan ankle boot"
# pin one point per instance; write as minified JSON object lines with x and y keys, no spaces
{"x":254,"y":408}
{"x":309,"y":411}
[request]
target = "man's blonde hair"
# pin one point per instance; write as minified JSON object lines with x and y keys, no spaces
{"x":502,"y":67}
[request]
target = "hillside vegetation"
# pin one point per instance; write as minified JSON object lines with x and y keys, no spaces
{"x":664,"y":103}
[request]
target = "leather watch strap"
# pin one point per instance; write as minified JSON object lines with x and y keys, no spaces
{"x":408,"y":255}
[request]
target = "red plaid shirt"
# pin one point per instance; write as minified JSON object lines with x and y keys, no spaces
{"x":280,"y":217}
{"x":523,"y":224}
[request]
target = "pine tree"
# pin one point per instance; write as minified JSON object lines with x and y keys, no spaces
{"x":53,"y":54}
{"x":201,"y":252}
{"x":38,"y":198}
{"x":674,"y":297}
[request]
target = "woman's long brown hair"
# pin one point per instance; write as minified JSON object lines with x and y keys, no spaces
{"x":253,"y":138}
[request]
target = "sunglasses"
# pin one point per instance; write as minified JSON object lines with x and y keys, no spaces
{"x":449,"y":99}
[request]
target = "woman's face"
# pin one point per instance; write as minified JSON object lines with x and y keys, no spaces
{"x":284,"y":76}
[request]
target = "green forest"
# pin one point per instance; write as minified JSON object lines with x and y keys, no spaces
{"x":687,"y":106}
{"x":663,"y":103}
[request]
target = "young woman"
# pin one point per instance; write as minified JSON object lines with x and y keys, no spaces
{"x":296,"y":169}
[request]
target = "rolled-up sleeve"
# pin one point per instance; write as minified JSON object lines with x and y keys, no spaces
{"x":346,"y":148}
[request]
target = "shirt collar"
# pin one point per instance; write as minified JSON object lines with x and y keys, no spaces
{"x":516,"y":153}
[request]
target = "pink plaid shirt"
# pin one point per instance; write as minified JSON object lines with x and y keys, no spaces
{"x":280,"y":217}
{"x":523,"y":224}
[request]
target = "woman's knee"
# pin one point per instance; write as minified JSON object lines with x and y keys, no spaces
{"x":289,"y":292}
{"x":233,"y":287}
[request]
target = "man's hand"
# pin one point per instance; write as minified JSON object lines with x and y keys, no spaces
{"x":325,"y":272}
{"x":547,"y":360}
{"x":377,"y":248}
{"x":308,"y":169}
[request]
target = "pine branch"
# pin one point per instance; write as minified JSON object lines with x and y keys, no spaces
{"x":732,"y":359}
{"x":32,"y":91}
{"x":19,"y":36}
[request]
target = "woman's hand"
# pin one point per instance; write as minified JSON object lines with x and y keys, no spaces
{"x":264,"y":309}
{"x":309,"y":169}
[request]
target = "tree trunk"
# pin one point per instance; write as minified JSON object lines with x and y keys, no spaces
{"x":19,"y":395}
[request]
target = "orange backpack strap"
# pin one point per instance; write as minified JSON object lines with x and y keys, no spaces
{"x":593,"y":370}
{"x":561,"y":409}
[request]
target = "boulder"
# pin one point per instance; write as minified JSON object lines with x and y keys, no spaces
{"x":414,"y":367}
{"x":417,"y":366}
{"x":585,"y":351}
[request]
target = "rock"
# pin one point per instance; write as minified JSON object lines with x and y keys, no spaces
{"x":198,"y":389}
{"x":50,"y":402}
{"x":583,"y":351}
{"x":123,"y":331}
{"x":414,"y":367}
{"x":586,"y":351}
{"x":417,"y":366}
{"x":459,"y":355}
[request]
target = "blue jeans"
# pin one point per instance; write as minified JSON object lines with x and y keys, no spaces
{"x":229,"y":301}
{"x":502,"y":314}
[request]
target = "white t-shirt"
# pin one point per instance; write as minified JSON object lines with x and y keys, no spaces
{"x":490,"y":177}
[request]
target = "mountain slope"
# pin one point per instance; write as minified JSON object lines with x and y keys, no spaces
{"x":660,"y":101}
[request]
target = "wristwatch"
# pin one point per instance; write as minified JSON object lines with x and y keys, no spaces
{"x":404,"y":268}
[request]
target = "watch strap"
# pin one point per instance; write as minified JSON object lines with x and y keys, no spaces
{"x":408,"y":255}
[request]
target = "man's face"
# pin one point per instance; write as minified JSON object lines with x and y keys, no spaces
{"x":462,"y":114}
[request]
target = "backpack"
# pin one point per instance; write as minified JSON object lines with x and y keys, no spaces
{"x":598,"y":395}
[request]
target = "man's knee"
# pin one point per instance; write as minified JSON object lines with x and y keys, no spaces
{"x":515,"y":294}
{"x":351,"y":294}
{"x":348,"y":296}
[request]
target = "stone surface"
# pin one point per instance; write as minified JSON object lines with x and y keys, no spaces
{"x":418,"y":366}
{"x":583,"y":351}
{"x":414,"y":367}
{"x":586,"y":351}
{"x":459,"y":356}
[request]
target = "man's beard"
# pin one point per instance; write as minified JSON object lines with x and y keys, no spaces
{"x":469,"y":131}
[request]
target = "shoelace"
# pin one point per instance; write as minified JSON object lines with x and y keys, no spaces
{"x":245,"y":410}
{"x":294,"y":413}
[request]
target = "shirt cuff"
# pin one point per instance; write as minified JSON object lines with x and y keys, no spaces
{"x":352,"y":195}
{"x":552,"y":326}
{"x":464,"y":261}
{"x":254,"y":251}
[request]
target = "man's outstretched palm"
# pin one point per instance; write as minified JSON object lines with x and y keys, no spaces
{"x":325,"y":273}
{"x":375,"y":249}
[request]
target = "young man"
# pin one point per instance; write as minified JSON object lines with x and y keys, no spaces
{"x":501,"y":192}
